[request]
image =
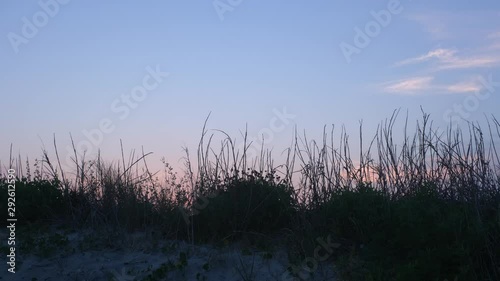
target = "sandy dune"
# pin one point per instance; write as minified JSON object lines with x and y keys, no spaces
{"x":139,"y":257}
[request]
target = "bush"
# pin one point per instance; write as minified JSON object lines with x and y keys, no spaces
{"x":36,"y":200}
{"x":245,"y":205}
{"x":420,"y":236}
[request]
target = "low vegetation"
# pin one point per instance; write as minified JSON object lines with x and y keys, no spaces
{"x":426,"y":208}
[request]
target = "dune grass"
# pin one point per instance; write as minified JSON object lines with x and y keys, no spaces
{"x":424,"y":209}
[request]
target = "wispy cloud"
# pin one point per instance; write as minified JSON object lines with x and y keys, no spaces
{"x":493,"y":46}
{"x":426,"y":84}
{"x":432,"y":25}
{"x":475,"y":38}
{"x":472,"y":62}
{"x":446,"y":25}
{"x":448,"y":59}
{"x":410,"y":85}
{"x":439,"y":54}
{"x":464,"y":87}
{"x":494,"y":35}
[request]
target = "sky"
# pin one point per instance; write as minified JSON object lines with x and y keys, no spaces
{"x":150,"y":72}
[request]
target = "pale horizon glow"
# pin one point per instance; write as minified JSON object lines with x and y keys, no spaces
{"x":149,"y":73}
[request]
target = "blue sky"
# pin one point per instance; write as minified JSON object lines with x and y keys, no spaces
{"x":69,"y":66}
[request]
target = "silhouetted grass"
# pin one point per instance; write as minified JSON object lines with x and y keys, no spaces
{"x":424,"y":209}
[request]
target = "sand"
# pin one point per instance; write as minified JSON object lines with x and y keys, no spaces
{"x":139,"y":256}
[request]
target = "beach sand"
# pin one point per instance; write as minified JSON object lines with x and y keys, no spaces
{"x":82,"y":255}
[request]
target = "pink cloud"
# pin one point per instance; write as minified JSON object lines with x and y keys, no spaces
{"x":464,"y":87}
{"x":410,"y":85}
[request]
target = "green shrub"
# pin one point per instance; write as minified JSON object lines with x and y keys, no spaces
{"x":245,"y":205}
{"x":35,"y":200}
{"x":416,"y":237}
